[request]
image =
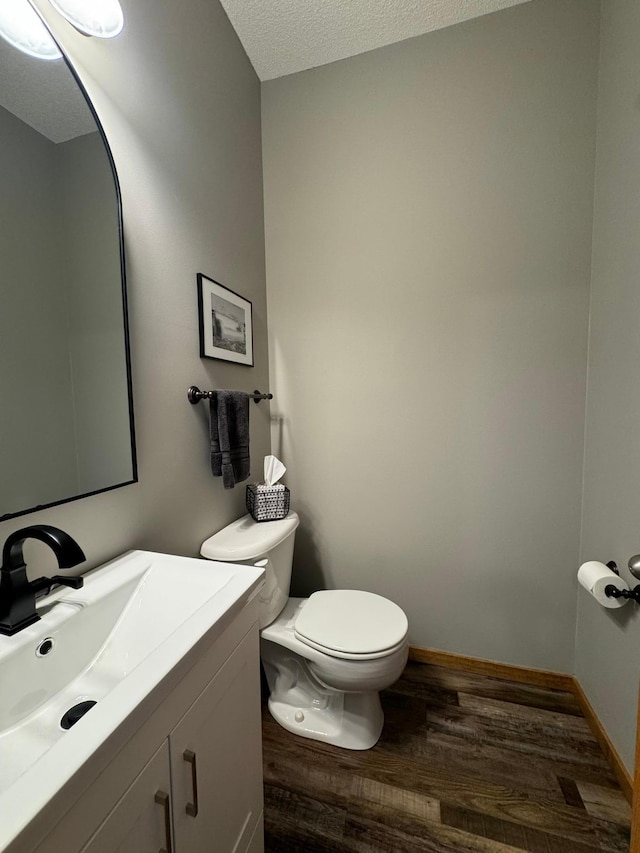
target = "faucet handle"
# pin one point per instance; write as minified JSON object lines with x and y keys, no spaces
{"x":46,"y":583}
{"x":74,"y":582}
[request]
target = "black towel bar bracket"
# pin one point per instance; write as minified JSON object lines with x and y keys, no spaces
{"x":194,"y":395}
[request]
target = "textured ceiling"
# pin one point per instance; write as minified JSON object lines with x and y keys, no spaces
{"x":285,"y":36}
{"x":44,"y":95}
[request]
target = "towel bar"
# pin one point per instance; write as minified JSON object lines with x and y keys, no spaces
{"x":194,"y":395}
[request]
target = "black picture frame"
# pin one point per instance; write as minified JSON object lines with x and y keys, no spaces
{"x":225,"y":322}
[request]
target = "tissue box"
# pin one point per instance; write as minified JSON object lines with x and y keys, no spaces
{"x":268,"y":503}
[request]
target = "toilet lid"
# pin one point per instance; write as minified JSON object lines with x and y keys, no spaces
{"x":351,"y":621}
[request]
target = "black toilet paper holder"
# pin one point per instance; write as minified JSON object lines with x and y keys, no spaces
{"x":612,"y":591}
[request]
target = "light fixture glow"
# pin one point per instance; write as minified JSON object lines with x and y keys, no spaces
{"x":22,"y":28}
{"x":101,"y":18}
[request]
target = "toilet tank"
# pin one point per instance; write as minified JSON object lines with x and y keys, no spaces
{"x":248,"y":541}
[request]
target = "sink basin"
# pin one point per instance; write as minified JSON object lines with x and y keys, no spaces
{"x":111,"y":642}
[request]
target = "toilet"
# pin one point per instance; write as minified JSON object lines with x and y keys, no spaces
{"x":326,"y":657}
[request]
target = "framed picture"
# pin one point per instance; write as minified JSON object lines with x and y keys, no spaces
{"x":226,"y":323}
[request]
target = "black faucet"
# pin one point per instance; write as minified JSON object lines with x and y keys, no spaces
{"x":17,"y":594}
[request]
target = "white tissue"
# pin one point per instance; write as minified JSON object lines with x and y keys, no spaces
{"x":273,"y":471}
{"x":595,"y":577}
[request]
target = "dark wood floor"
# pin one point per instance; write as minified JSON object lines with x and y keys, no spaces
{"x":465,"y":763}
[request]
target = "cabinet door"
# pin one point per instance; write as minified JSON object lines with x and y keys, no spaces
{"x":140,"y":821}
{"x":216,"y":760}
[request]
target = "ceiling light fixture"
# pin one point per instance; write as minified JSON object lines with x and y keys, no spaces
{"x":22,"y":28}
{"x":100,"y":18}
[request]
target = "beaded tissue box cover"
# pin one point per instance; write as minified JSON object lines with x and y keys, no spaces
{"x":268,"y":503}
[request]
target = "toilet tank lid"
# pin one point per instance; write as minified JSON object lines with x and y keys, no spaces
{"x":246,"y":539}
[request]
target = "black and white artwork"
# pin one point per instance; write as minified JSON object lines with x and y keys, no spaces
{"x":226,"y":328}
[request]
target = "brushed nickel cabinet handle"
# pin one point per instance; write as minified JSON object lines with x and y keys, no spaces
{"x":162,"y":799}
{"x":190,"y":758}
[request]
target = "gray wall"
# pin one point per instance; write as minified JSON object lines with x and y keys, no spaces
{"x":35,"y":377}
{"x":184,"y":125}
{"x":429,"y":212}
{"x":607,"y":660}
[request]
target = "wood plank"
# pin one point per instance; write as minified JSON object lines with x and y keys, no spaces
{"x":511,"y":721}
{"x":522,"y":837}
{"x":527,"y":675}
{"x":386,"y":797}
{"x":542,"y":767}
{"x":510,"y":713}
{"x":605,"y":803}
{"x":294,"y":821}
{"x":367,"y":836}
{"x":414,"y":822}
{"x":622,"y":774}
{"x":475,"y":760}
{"x":419,"y":679}
{"x":525,"y":738}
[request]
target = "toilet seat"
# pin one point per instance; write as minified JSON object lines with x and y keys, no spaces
{"x":351,"y":624}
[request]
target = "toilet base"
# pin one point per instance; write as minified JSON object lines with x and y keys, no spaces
{"x":301,"y":703}
{"x":348,"y":720}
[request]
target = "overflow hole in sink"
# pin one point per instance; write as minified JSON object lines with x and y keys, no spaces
{"x":45,"y":647}
{"x":76,"y":713}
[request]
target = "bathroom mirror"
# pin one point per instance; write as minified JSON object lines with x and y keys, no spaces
{"x":66,"y":418}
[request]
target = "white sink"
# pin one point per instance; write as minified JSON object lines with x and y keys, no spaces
{"x":114,"y":641}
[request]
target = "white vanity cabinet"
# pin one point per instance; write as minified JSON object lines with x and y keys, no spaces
{"x":216,"y":761}
{"x":141,"y":820}
{"x":190,"y":779}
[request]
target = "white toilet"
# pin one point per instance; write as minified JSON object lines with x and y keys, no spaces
{"x":326,"y":657}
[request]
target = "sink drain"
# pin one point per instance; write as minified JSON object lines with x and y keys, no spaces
{"x":45,"y":647}
{"x":76,"y":713}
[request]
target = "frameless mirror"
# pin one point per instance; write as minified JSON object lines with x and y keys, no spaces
{"x":66,"y":420}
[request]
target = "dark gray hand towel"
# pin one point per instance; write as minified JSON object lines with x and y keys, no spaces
{"x":229,"y":426}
